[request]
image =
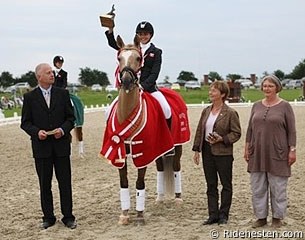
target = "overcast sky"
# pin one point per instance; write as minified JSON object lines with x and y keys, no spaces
{"x":226,"y":36}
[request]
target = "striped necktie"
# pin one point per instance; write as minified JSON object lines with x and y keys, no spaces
{"x":46,"y":95}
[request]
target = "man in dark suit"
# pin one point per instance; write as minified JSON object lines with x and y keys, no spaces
{"x":48,"y":117}
{"x":61,"y":76}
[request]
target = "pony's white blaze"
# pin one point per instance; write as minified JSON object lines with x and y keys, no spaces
{"x":126,"y":55}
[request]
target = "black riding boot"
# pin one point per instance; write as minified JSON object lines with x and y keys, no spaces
{"x":169,"y":124}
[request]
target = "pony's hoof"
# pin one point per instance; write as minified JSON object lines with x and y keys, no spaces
{"x":139,"y":221}
{"x":123,"y":220}
{"x":178,"y":201}
{"x":160,"y":199}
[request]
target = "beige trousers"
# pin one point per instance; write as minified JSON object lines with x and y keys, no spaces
{"x":263,"y":184}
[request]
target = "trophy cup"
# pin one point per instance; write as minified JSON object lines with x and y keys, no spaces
{"x":107,"y":20}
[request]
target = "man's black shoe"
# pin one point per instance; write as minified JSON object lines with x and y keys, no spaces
{"x":46,"y":224}
{"x":71,"y":224}
{"x":210,"y":221}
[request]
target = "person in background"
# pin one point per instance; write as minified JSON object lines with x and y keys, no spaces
{"x":48,"y":117}
{"x":217,"y":130}
{"x":61,"y":76}
{"x":270,"y":150}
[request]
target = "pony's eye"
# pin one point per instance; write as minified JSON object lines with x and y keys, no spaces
{"x":119,"y":59}
{"x":138,"y":59}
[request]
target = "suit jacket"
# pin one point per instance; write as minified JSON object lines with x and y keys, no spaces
{"x":37,"y":116}
{"x":61,"y":80}
{"x":151,"y":66}
{"x":226,"y":125}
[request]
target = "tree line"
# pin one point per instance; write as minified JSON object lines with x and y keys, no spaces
{"x":88,"y":76}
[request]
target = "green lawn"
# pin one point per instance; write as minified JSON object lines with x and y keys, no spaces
{"x":192,"y":96}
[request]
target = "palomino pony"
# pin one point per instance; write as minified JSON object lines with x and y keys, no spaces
{"x":78,"y":107}
{"x":136,"y":129}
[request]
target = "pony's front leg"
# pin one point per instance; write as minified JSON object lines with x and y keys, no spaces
{"x":140,"y":197}
{"x":124,"y":196}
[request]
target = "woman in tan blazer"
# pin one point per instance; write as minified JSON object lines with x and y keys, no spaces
{"x":217,"y":130}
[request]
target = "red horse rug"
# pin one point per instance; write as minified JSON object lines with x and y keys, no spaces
{"x":145,"y":132}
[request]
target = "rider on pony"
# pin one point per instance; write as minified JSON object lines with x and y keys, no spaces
{"x":138,"y":68}
{"x":151,"y":66}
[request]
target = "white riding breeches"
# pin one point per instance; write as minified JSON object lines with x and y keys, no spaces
{"x":163,"y":103}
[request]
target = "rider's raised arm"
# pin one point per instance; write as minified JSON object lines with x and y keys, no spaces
{"x":111,"y":40}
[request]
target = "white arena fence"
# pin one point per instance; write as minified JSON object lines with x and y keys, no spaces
{"x":16,"y":119}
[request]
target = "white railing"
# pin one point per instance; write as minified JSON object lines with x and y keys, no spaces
{"x":16,"y":119}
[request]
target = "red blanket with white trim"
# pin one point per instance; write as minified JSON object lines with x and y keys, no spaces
{"x":180,"y":128}
{"x":151,"y":141}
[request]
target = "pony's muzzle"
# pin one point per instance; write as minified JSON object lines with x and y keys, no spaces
{"x":127,"y":82}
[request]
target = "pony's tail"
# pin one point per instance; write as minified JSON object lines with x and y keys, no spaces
{"x":169,"y":183}
{"x":172,"y":164}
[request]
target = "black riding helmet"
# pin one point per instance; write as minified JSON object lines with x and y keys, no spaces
{"x":58,"y":59}
{"x":145,"y":27}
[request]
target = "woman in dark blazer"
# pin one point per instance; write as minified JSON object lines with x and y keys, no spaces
{"x":217,"y":130}
{"x":48,"y":118}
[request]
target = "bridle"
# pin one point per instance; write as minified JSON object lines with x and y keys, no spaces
{"x":132,"y":74}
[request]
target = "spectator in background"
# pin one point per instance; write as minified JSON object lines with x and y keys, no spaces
{"x":61,"y":76}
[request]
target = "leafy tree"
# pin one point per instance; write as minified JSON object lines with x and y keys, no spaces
{"x":89,"y":77}
{"x":214,"y":76}
{"x":187,"y":76}
{"x":298,"y":72}
{"x":265,"y":73}
{"x":279,"y":73}
{"x":234,"y":76}
{"x":6,"y":79}
{"x":28,"y":77}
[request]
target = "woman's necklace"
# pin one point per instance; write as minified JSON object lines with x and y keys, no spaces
{"x":216,"y":109}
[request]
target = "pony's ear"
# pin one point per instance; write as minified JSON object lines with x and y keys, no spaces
{"x":136,"y":41}
{"x":119,"y":41}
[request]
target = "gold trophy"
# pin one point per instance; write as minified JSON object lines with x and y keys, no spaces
{"x":107,"y":20}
